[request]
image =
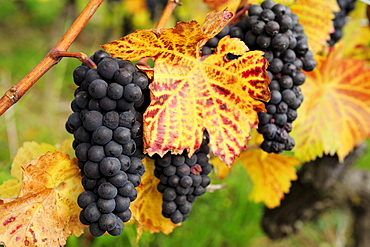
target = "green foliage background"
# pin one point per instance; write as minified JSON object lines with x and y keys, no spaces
{"x":28,"y":30}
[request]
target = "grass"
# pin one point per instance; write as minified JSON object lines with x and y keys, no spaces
{"x":222,"y":218}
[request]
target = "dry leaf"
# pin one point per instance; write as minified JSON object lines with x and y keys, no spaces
{"x":335,"y":114}
{"x":28,"y":151}
{"x":46,"y":212}
{"x":147,"y":208}
{"x":219,"y":5}
{"x":193,"y":93}
{"x":316,"y":18}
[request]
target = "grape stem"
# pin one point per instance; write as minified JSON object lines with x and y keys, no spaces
{"x":166,"y":14}
{"x":52,"y":58}
{"x":240,"y":13}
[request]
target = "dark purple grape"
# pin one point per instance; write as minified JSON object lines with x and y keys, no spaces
{"x":102,"y":135}
{"x":107,"y":222}
{"x":115,"y":91}
{"x":280,"y":42}
{"x":267,"y":4}
{"x":82,"y":99}
{"x":107,"y":67}
{"x":98,"y":88}
{"x":119,"y":179}
{"x":107,"y":191}
{"x":86,"y":198}
{"x":110,"y":166}
{"x":123,"y":76}
{"x":272,"y":28}
{"x":91,"y":170}
{"x":92,"y":212}
{"x":127,"y":190}
{"x":107,"y":104}
{"x":106,"y":206}
{"x":118,"y":229}
{"x":79,"y":74}
{"x":125,"y":216}
{"x":122,"y":203}
{"x":276,"y":97}
{"x":254,"y":9}
{"x":258,"y":27}
{"x":267,"y":15}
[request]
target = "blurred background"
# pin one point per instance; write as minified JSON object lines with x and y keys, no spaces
{"x":29,"y":29}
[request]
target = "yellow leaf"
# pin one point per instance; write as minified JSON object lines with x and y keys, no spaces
{"x":10,"y":188}
{"x":356,"y":34}
{"x":316,"y":18}
{"x":192,"y":94}
{"x":219,"y":5}
{"x":271,"y":175}
{"x":46,"y":212}
{"x":147,"y":208}
{"x":335,"y":114}
{"x":285,"y":2}
{"x":219,"y":167}
{"x":29,"y":151}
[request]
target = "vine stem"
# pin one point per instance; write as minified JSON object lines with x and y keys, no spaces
{"x":167,"y":12}
{"x":165,"y":16}
{"x":52,"y":58}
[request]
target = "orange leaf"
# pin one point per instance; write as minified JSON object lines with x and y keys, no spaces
{"x":219,"y":5}
{"x":147,"y":208}
{"x":45,"y":213}
{"x":335,"y":114}
{"x":193,"y":93}
{"x":316,"y":18}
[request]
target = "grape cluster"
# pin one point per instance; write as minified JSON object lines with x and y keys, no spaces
{"x":346,"y":6}
{"x":273,"y":29}
{"x":182,"y":180}
{"x":107,"y":126}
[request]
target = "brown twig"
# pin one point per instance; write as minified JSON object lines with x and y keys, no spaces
{"x":166,"y":14}
{"x":17,"y":91}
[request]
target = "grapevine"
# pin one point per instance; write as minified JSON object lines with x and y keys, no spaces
{"x":149,"y":137}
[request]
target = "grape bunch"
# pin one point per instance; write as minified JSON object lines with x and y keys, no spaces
{"x":346,"y":6}
{"x":182,"y":180}
{"x":274,"y":29}
{"x":107,"y":126}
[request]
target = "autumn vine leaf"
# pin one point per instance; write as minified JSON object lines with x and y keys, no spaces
{"x":28,"y":151}
{"x":285,"y":2}
{"x":357,"y":34}
{"x":219,"y":5}
{"x":271,"y":174}
{"x":147,"y":208}
{"x":194,"y":93}
{"x":335,"y":114}
{"x":317,"y":24}
{"x":46,"y":212}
